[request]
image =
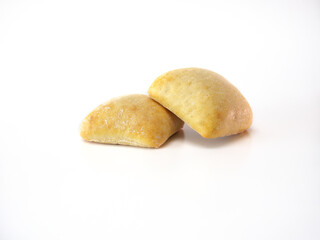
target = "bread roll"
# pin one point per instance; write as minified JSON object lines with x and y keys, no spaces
{"x":205,"y":100}
{"x":134,"y":120}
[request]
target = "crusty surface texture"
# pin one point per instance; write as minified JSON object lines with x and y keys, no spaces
{"x":203,"y":99}
{"x":135,"y":120}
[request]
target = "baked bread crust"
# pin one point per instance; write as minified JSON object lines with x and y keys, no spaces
{"x":135,"y":120}
{"x":205,"y":100}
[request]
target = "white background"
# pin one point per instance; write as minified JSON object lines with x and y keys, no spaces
{"x":60,"y":59}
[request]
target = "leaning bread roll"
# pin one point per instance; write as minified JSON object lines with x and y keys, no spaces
{"x":203,"y":99}
{"x":134,"y":120}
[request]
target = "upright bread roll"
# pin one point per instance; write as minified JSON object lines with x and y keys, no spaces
{"x":134,"y":120}
{"x":203,"y":99}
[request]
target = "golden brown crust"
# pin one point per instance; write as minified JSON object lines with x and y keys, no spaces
{"x":204,"y":99}
{"x":134,"y":120}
